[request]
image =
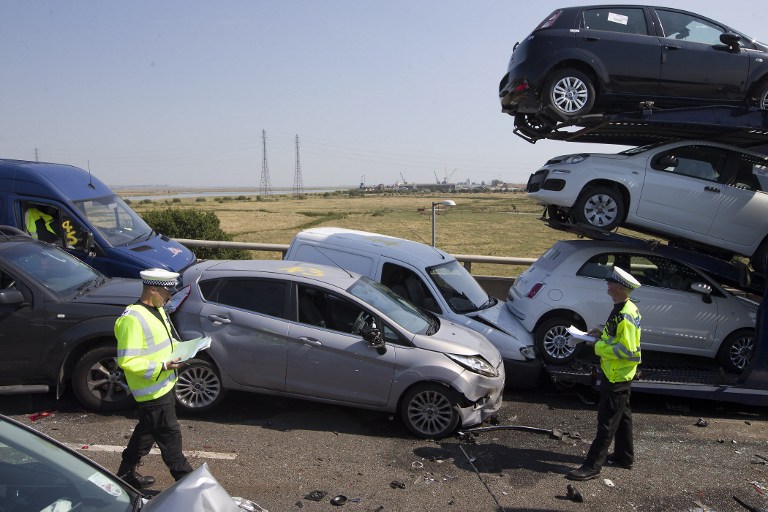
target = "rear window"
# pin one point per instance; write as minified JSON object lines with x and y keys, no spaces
{"x":265,"y":296}
{"x":622,"y":20}
{"x":553,"y":257}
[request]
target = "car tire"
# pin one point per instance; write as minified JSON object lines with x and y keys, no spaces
{"x":569,"y":92}
{"x":600,"y":207}
{"x":430,"y":410}
{"x":737,"y":351}
{"x":533,"y":124}
{"x":551,"y":340}
{"x":761,"y":95}
{"x":99,"y":383}
{"x":199,"y":387}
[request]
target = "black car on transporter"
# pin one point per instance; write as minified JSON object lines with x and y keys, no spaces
{"x":605,"y":58}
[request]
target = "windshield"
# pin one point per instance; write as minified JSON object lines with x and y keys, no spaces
{"x":52,"y":267}
{"x":460,"y":290}
{"x":397,"y":309}
{"x":115,"y":220}
{"x":37,"y":474}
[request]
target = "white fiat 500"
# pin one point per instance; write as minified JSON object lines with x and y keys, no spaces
{"x":707,"y":194}
{"x":683,"y":310}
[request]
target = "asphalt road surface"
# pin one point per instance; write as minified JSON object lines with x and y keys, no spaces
{"x":276,"y":452}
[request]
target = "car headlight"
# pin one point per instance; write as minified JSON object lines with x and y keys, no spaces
{"x":474,"y":364}
{"x":574,"y":159}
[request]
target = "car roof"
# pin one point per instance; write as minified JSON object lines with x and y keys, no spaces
{"x":364,"y":241}
{"x":295,"y":270}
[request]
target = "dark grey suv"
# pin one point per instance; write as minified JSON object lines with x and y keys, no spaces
{"x":57,"y":318}
{"x":583,"y":60}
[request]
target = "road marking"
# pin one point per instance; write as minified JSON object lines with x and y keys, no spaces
{"x":153,"y":451}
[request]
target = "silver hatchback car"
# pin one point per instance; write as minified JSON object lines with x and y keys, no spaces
{"x":324,"y":334}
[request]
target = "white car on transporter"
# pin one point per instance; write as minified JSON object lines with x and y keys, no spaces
{"x":695,"y":193}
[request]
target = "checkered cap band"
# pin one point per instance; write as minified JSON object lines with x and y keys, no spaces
{"x":623,"y":278}
{"x":159,"y":277}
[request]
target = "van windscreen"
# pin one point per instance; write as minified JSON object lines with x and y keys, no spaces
{"x":115,"y":220}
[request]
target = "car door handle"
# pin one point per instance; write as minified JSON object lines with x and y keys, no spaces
{"x":672,"y":47}
{"x":591,"y":38}
{"x":219,"y":319}
{"x":712,"y":189}
{"x":310,"y":341}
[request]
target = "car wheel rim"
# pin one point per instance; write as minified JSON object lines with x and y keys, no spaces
{"x":430,"y":412}
{"x":570,"y":94}
{"x":600,"y":210}
{"x":556,"y":342}
{"x":197,"y":387}
{"x":741,"y":351}
{"x":106,"y":381}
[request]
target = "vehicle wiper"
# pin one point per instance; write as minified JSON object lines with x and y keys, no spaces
{"x":434,"y":324}
{"x":85,"y":286}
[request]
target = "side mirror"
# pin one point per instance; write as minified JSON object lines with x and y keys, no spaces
{"x":372,"y":335}
{"x":11,"y":297}
{"x":90,"y":245}
{"x":704,"y":289}
{"x":731,"y":40}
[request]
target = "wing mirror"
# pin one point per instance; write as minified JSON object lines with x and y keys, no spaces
{"x":11,"y":297}
{"x":704,"y":289}
{"x":372,"y":335}
{"x":730,"y":40}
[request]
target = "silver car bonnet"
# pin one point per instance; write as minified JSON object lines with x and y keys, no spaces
{"x":503,"y":329}
{"x":453,"y":338}
{"x":198,"y":491}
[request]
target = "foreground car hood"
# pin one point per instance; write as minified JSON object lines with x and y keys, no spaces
{"x":502,"y":328}
{"x":198,"y":491}
{"x":120,"y":291}
{"x":455,"y":339}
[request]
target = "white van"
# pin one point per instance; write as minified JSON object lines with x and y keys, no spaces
{"x":430,"y":278}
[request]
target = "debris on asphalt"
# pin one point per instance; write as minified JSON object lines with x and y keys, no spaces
{"x":396,"y":485}
{"x":701,"y":507}
{"x":339,"y":500}
{"x":573,"y":494}
{"x":417,"y":464}
{"x":760,"y":487}
{"x":701,"y":422}
{"x":762,"y":459}
{"x":39,"y":415}
{"x":315,"y":496}
{"x":609,"y":482}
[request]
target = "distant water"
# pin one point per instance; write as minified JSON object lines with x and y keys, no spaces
{"x":222,"y":193}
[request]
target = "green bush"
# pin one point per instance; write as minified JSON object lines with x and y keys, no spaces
{"x":195,"y":225}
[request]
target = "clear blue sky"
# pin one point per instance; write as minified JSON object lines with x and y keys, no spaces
{"x":177,"y":92}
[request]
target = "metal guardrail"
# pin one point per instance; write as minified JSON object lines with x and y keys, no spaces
{"x":466,"y":259}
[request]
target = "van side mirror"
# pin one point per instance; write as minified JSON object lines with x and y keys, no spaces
{"x":372,"y":335}
{"x":90,"y":245}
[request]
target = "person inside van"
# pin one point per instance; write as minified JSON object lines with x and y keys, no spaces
{"x":40,"y":224}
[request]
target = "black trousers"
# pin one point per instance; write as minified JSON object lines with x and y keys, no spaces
{"x":158,"y":424}
{"x":614,"y":423}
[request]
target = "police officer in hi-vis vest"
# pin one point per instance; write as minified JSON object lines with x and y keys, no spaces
{"x":618,"y":346}
{"x":145,"y":339}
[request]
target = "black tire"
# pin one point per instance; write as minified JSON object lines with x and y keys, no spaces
{"x":758,"y":259}
{"x":737,"y":351}
{"x":552,"y":341}
{"x":559,"y":215}
{"x":569,"y":92}
{"x":761,"y":95}
{"x":199,"y":387}
{"x":99,"y":383}
{"x":600,"y":207}
{"x":429,"y":411}
{"x":533,"y":124}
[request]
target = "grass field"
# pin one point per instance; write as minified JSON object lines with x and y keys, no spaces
{"x":488,"y":224}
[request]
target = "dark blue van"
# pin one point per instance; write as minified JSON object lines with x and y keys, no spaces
{"x":69,"y":207}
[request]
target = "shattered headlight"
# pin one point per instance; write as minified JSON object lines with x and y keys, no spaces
{"x":475,"y":364}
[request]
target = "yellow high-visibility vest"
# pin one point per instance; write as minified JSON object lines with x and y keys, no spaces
{"x":620,"y":354}
{"x":144,"y":343}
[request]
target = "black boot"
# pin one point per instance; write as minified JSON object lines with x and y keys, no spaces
{"x":129,"y":475}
